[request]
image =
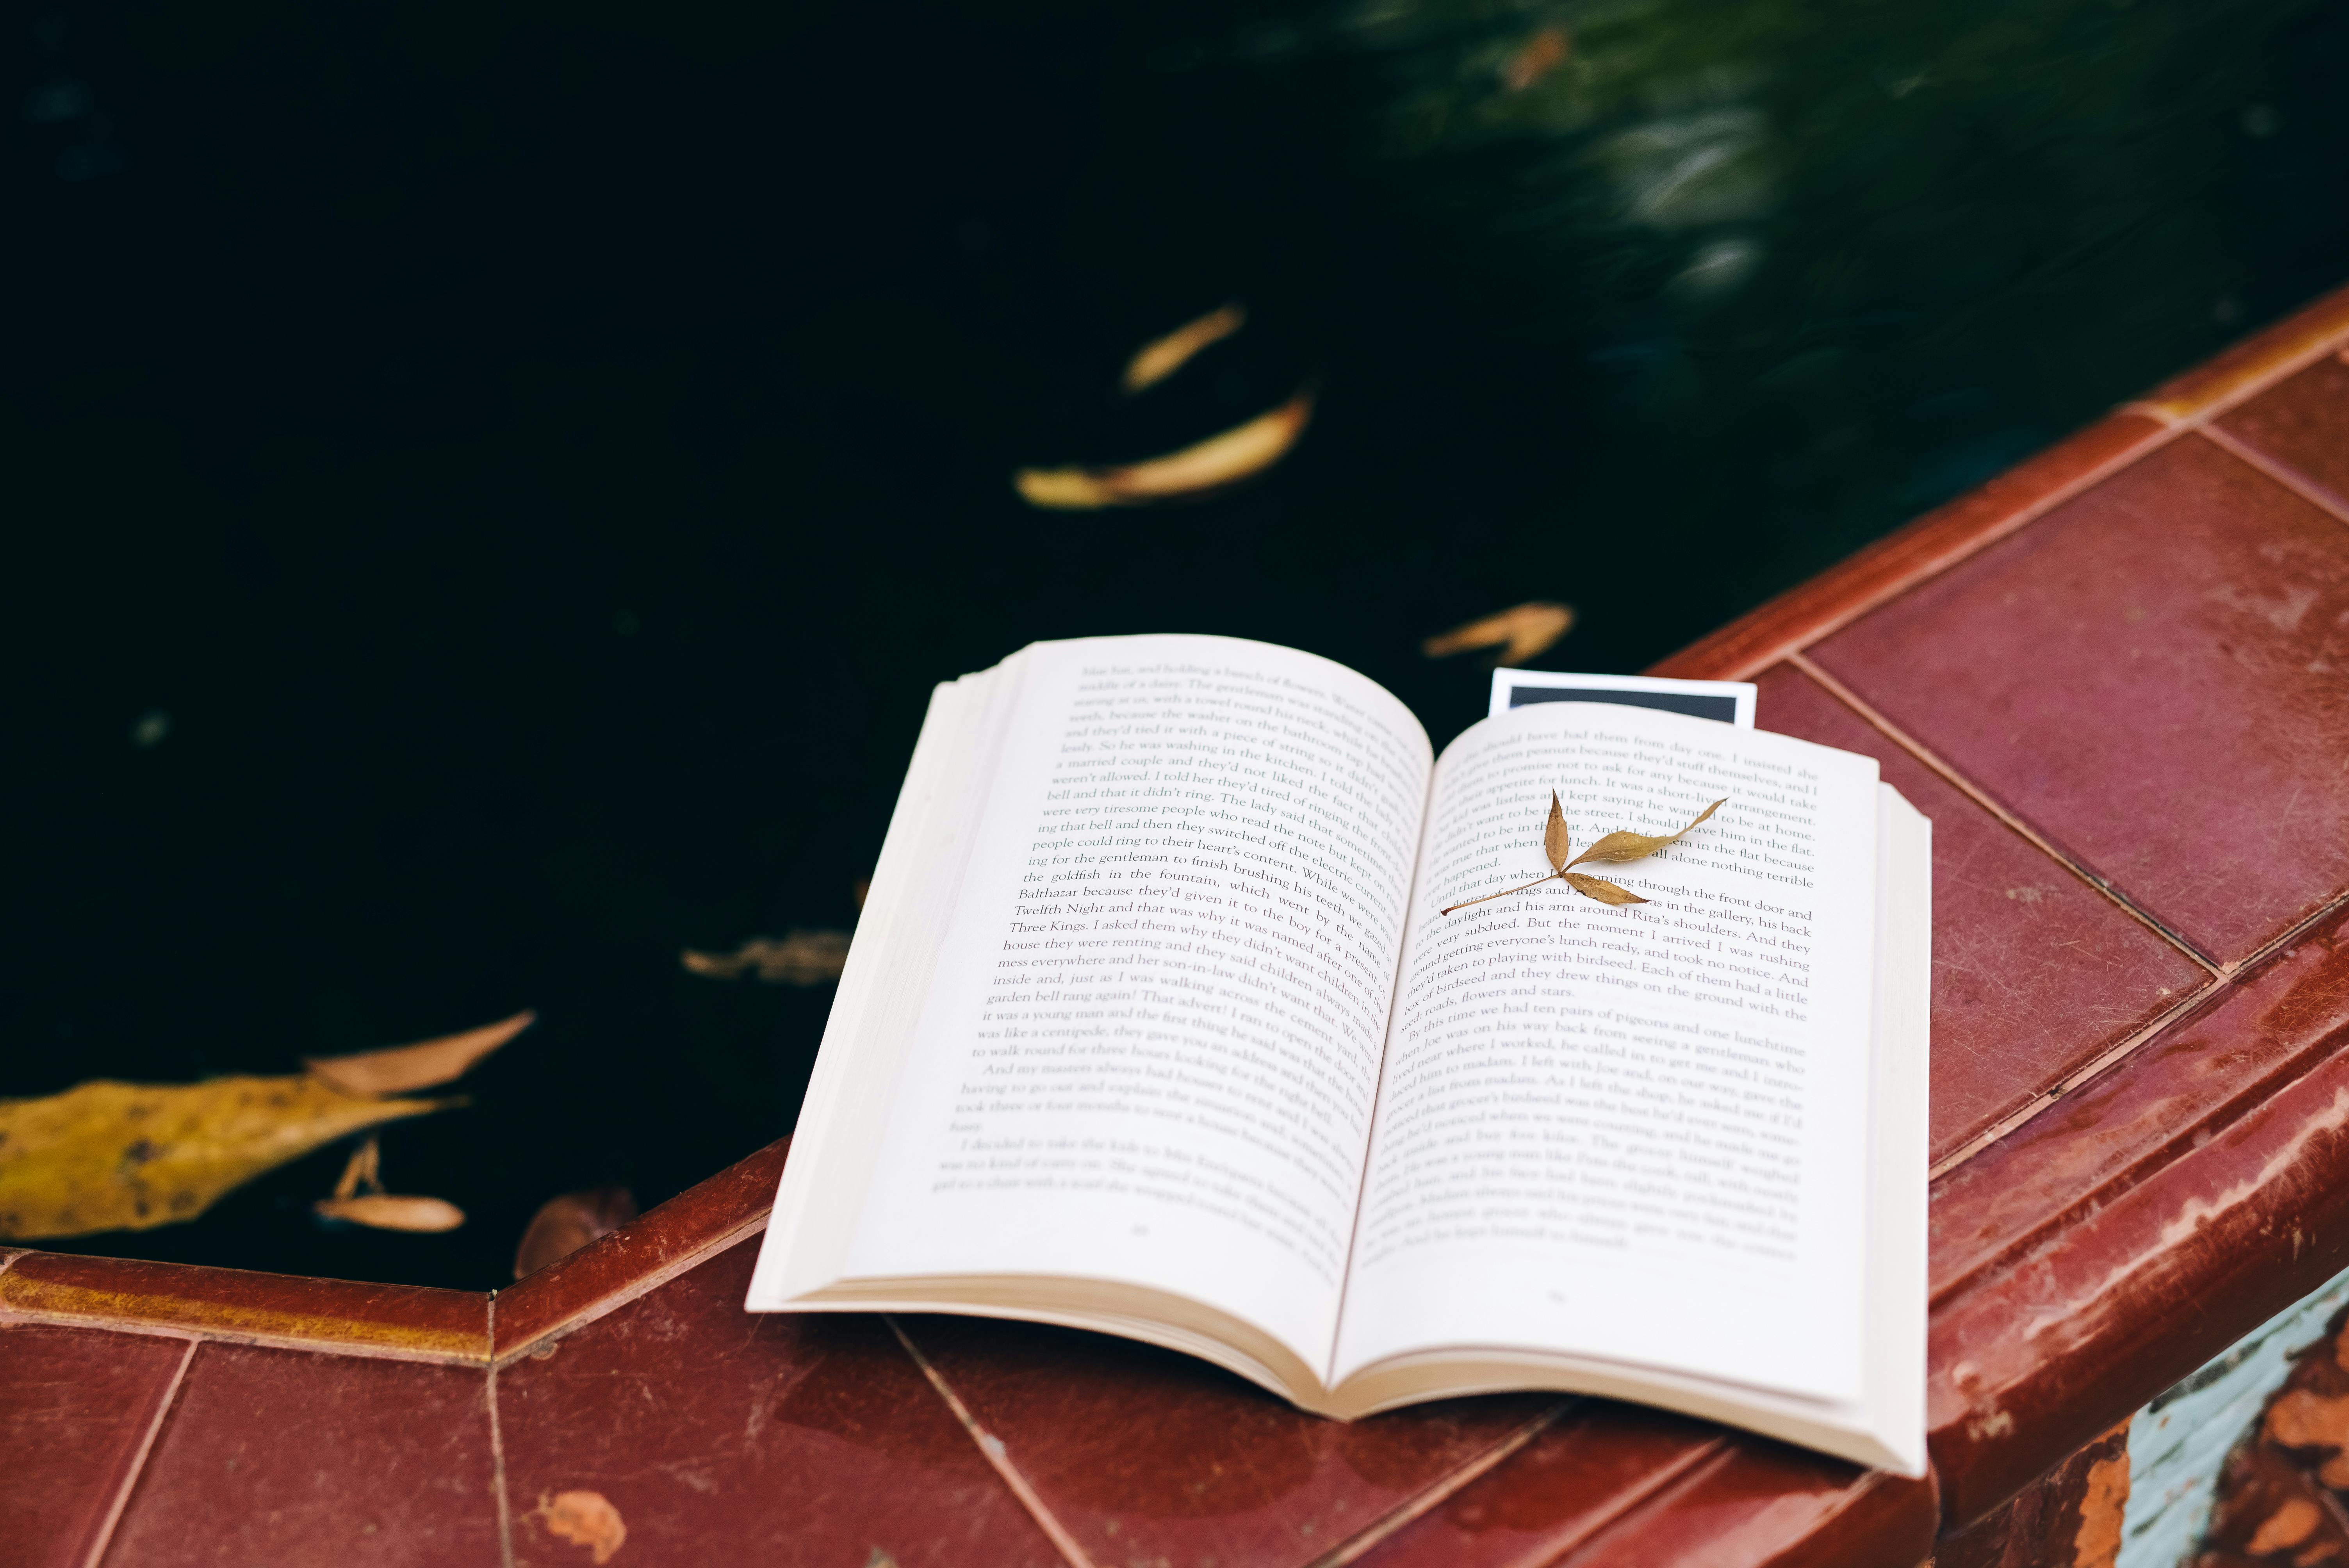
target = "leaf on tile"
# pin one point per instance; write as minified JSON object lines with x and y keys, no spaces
{"x":1520,"y":632}
{"x":1239,"y":453}
{"x":564,"y":1224}
{"x":109,"y":1156}
{"x":1555,"y":842}
{"x":796,"y":958}
{"x":1155,"y":361}
{"x":1622,"y":848}
{"x":1604,"y":891}
{"x":399,"y":1068}
{"x":583,"y":1519}
{"x":391,"y":1211}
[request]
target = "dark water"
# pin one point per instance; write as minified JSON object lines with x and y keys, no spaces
{"x":537,"y":466}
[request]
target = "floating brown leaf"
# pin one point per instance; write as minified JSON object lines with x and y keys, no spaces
{"x":1519,"y":633}
{"x":797,"y":958}
{"x":1160,"y":359}
{"x":1237,"y":454}
{"x":563,"y":1225}
{"x":1616,"y":848}
{"x":1604,"y":891}
{"x":399,"y":1068}
{"x":1621,"y":849}
{"x":390,"y":1212}
{"x":107,"y":1156}
{"x":1536,"y":58}
{"x":1555,"y":842}
{"x":362,"y":1169}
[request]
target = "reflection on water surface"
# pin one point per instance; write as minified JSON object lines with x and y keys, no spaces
{"x":495,"y":492}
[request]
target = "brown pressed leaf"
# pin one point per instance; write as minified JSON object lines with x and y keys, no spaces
{"x":384,"y":1212}
{"x":1237,"y":454}
{"x":1604,"y":891}
{"x":1621,"y":849}
{"x":1156,"y":360}
{"x":1554,"y":843}
{"x":563,"y":1225}
{"x":1519,"y":633}
{"x":796,"y":958}
{"x":403,"y":1068}
{"x":1536,"y":58}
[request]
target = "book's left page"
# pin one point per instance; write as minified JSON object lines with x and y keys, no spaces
{"x":1115,"y":1009}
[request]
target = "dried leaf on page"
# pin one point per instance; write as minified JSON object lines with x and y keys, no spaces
{"x":1237,"y":454}
{"x":1621,"y":849}
{"x":1161,"y":357}
{"x":1604,"y":891}
{"x":1555,"y":842}
{"x":399,"y":1068}
{"x":107,"y":1156}
{"x":1519,"y":633}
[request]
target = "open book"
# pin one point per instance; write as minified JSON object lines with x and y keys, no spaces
{"x":1154,"y":1026}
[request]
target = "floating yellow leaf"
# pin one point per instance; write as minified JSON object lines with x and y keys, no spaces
{"x":1156,"y":360}
{"x":1555,"y":842}
{"x":398,"y":1068}
{"x":390,"y":1212}
{"x":1519,"y":633}
{"x":1621,"y":849}
{"x":1536,"y":58}
{"x":797,"y":958}
{"x":1239,"y":453}
{"x":1604,"y":891}
{"x":107,"y":1156}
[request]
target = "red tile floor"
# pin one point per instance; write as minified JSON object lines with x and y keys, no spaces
{"x":2117,"y":678}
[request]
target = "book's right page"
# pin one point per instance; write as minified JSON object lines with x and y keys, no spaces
{"x":1634,"y":1134}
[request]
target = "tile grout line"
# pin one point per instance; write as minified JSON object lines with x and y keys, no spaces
{"x":2283,"y":473}
{"x":1982,"y":798}
{"x":2176,"y":1012}
{"x":996,"y":1455}
{"x":104,"y":1537}
{"x":497,"y":1439}
{"x":2168,"y":427}
{"x":1449,"y":1486}
{"x":1707,"y":1458}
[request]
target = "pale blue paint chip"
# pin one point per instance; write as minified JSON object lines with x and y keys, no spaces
{"x":2179,"y":1443}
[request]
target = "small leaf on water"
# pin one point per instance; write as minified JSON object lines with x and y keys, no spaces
{"x":1237,"y":454}
{"x":106,"y":1156}
{"x":1536,"y":58}
{"x":385,"y":1212}
{"x":797,"y":958}
{"x":399,"y":1068}
{"x":1519,"y":633}
{"x":362,"y":1170}
{"x":1554,"y":843}
{"x":1604,"y":891}
{"x":563,"y":1225}
{"x":1160,"y":359}
{"x":1621,"y":849}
